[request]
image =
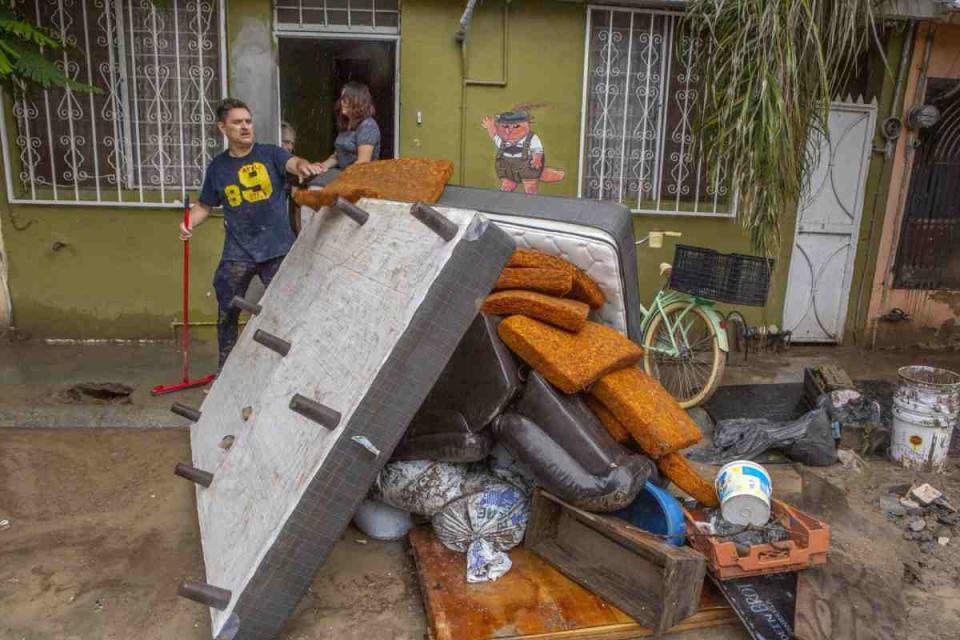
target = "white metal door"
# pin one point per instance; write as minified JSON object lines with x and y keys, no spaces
{"x":828,"y":222}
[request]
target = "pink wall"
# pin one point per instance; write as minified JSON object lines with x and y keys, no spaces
{"x":935,"y":315}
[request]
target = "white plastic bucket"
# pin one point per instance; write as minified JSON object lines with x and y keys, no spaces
{"x":744,"y":489}
{"x":925,"y":408}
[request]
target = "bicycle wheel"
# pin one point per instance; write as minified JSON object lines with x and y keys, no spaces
{"x":694,"y":373}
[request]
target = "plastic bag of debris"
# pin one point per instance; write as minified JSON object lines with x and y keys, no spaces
{"x":808,"y":439}
{"x":380,"y":521}
{"x":425,"y":487}
{"x":484,"y":525}
{"x":419,"y":486}
{"x":505,"y":466}
{"x":858,"y":420}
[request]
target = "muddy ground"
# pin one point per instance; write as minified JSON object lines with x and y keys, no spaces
{"x":100,"y":531}
{"x":926,"y":577}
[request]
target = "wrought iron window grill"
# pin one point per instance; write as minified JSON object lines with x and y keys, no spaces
{"x":355,"y":17}
{"x":147,"y":137}
{"x":927,"y":256}
{"x":641,"y":94}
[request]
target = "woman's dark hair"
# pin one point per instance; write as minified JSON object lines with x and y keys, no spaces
{"x":356,"y":97}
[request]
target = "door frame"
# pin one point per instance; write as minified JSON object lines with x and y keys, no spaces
{"x":870,"y":111}
{"x":6,"y":303}
{"x":324,"y":35}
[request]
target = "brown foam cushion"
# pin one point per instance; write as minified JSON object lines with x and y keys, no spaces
{"x":400,"y":179}
{"x":566,"y":314}
{"x":616,"y":429}
{"x":552,"y":281}
{"x":676,"y":467}
{"x":584,"y":289}
{"x":647,"y":410}
{"x":569,"y":361}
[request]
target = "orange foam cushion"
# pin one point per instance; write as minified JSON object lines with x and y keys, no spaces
{"x":584,"y":289}
{"x":400,"y":179}
{"x":682,"y":474}
{"x":647,"y":410}
{"x":566,"y":314}
{"x":550,"y":281}
{"x":613,"y":426}
{"x":569,"y":361}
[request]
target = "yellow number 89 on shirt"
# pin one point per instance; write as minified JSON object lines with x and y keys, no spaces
{"x":256,"y":182}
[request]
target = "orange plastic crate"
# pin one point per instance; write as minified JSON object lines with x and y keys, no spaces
{"x":808,"y":546}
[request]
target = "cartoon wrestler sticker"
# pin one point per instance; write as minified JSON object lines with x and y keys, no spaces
{"x":520,"y":156}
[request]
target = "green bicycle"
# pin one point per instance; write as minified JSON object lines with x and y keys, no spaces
{"x":684,"y":339}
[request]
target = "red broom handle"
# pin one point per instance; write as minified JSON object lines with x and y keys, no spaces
{"x":185,"y":335}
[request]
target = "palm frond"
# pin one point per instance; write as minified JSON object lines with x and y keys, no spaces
{"x":771,"y":69}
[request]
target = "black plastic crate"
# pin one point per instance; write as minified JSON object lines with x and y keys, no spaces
{"x":726,"y":277}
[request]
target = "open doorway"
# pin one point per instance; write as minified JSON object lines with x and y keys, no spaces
{"x":312,"y":72}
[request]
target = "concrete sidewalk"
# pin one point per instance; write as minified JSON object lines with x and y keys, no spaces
{"x":34,"y":376}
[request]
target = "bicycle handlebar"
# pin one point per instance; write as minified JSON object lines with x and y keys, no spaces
{"x":656,"y":238}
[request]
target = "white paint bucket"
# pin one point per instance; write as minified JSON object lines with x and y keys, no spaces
{"x":744,"y":489}
{"x":925,"y":408}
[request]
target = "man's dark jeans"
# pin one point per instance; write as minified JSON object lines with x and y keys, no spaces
{"x":232,"y":279}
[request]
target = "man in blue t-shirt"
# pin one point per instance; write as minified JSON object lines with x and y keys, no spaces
{"x":247,"y":180}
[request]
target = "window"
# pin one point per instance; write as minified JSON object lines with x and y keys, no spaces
{"x":339,"y":16}
{"x":641,"y":96}
{"x":927,"y":254}
{"x":147,"y":138}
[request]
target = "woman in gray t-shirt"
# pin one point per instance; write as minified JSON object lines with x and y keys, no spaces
{"x":359,"y":137}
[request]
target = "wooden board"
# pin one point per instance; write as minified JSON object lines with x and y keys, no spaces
{"x":533,"y":601}
{"x":656,"y":583}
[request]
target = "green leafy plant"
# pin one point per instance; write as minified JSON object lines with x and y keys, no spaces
{"x":24,"y":53}
{"x":771,"y":70}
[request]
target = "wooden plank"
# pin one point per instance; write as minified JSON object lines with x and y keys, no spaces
{"x":656,"y":583}
{"x":533,"y":601}
{"x":824,"y":378}
{"x":840,"y":600}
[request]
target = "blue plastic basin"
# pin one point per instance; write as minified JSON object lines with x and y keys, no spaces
{"x":656,"y":511}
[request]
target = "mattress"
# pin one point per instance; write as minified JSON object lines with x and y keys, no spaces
{"x":362,"y":320}
{"x":596,"y":236}
{"x":591,"y":249}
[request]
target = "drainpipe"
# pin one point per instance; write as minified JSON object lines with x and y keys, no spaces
{"x":467,"y":81}
{"x":899,"y":89}
{"x":6,"y":306}
{"x":465,"y":20}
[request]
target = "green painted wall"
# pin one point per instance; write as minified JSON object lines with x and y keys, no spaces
{"x":118,"y":276}
{"x":545,"y":54}
{"x":431,"y":82}
{"x":119,"y":273}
